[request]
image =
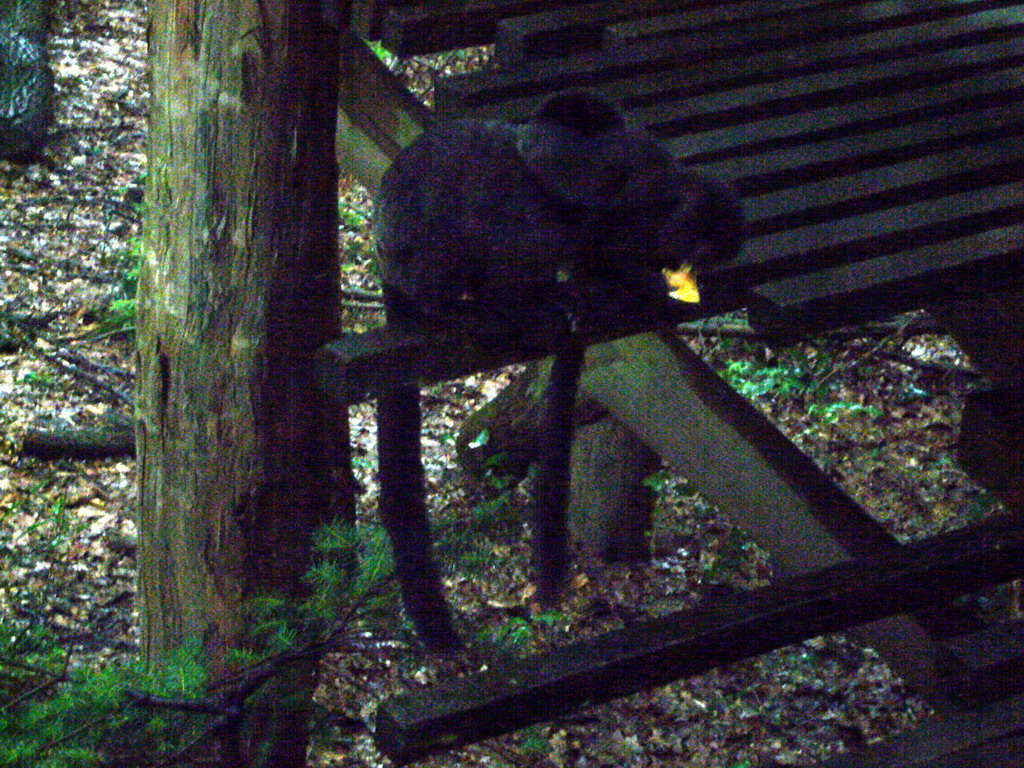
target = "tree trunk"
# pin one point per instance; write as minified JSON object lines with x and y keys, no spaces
{"x":239,"y":286}
{"x":611,"y":507}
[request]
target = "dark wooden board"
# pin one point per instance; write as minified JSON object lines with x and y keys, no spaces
{"x":940,"y":269}
{"x":822,"y":245}
{"x":984,"y":666}
{"x":991,"y":443}
{"x":715,"y":58}
{"x":701,"y":18}
{"x":658,"y":651}
{"x":377,"y":116}
{"x":827,"y":149}
{"x":990,"y":737}
{"x":566,"y":31}
{"x":764,"y":25}
{"x":987,"y":166}
{"x":367,"y":15}
{"x":834,"y":88}
{"x":450,"y":24}
{"x":858,"y":120}
{"x":358,"y":365}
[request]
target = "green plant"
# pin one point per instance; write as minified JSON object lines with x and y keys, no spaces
{"x":54,"y":712}
{"x":534,"y":742}
{"x":56,"y":716}
{"x":60,"y":524}
{"x":387,"y":57}
{"x":728,"y":560}
{"x":516,"y":635}
{"x":513,"y":636}
{"x":347,"y":579}
{"x":120,"y":315}
{"x":37,"y":533}
{"x":794,"y":372}
{"x":353,"y":216}
{"x":37,"y":378}
{"x":835,"y":413}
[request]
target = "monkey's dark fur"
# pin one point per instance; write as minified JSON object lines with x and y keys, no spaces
{"x":495,"y":224}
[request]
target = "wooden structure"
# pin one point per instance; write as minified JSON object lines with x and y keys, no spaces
{"x":879,"y":152}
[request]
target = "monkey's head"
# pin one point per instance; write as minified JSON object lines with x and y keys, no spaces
{"x":648,"y":211}
{"x":578,"y":147}
{"x":664,"y":229}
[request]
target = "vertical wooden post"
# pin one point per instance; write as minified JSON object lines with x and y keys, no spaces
{"x":239,"y":287}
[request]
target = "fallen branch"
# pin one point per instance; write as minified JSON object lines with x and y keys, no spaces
{"x":115,"y":438}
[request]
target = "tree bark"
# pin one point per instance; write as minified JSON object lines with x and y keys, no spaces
{"x":238,"y":288}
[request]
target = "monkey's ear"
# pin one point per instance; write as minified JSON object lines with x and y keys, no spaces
{"x":577,"y":147}
{"x":585,"y":112}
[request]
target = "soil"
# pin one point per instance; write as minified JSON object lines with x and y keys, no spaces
{"x":879,"y":413}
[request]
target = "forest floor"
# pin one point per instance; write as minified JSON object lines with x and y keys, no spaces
{"x":878,"y":414}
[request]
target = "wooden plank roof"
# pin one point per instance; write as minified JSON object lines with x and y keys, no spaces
{"x":867,"y":139}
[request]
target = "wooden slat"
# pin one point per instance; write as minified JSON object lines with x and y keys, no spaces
{"x":742,"y":57}
{"x":658,"y":651}
{"x":990,"y":737}
{"x":984,"y":666}
{"x":947,"y":269}
{"x":985,"y":166}
{"x":566,"y":31}
{"x":702,"y":18}
{"x":879,"y":233}
{"x":802,"y":131}
{"x":870,"y":137}
{"x":834,"y":88}
{"x":711,"y":60}
{"x":450,"y":24}
{"x":767,"y":25}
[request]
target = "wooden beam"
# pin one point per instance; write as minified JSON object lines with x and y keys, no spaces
{"x":356,"y":366}
{"x":989,"y":327}
{"x":991,"y":442}
{"x":377,"y":117}
{"x":367,"y":15}
{"x":675,"y":403}
{"x":661,"y":650}
{"x":984,"y":666}
{"x":450,"y":24}
{"x":989,"y":737}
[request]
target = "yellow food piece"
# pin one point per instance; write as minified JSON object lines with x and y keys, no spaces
{"x":682,"y":284}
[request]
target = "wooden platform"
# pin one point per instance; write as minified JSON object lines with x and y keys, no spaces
{"x":878,"y":148}
{"x":879,"y":152}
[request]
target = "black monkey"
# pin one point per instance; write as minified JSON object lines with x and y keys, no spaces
{"x":494,"y":224}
